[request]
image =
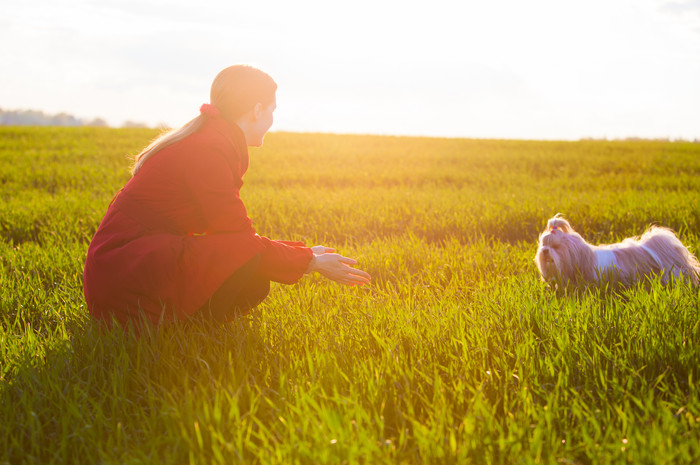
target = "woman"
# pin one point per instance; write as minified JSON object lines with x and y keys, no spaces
{"x":177,"y":240}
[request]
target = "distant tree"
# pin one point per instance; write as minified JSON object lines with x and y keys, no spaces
{"x":97,"y":122}
{"x":64,"y":119}
{"x":133,"y":124}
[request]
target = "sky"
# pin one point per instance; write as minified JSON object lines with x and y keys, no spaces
{"x":506,"y":69}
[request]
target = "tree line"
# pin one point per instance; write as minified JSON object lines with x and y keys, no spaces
{"x":39,"y":118}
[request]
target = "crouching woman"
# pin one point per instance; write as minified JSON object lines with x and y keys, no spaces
{"x":177,"y":240}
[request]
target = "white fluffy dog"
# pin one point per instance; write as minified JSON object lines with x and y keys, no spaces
{"x":564,"y":256}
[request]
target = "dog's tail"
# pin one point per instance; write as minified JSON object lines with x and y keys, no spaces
{"x":675,"y":257}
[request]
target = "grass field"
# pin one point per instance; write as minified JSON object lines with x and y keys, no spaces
{"x":456,"y":353}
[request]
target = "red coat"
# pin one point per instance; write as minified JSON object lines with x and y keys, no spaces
{"x":178,"y":229}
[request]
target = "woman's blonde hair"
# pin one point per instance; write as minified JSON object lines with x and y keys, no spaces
{"x":234,"y":92}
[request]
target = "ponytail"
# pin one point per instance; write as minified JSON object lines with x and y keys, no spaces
{"x":166,"y":139}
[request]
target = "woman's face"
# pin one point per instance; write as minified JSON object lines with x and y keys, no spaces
{"x":263,"y":122}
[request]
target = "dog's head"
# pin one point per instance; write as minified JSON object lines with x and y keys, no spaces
{"x":562,"y":255}
{"x":558,"y":223}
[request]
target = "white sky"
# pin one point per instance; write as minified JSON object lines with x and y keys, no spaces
{"x":537,"y":69}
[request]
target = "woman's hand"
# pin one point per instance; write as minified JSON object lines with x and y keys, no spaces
{"x":320,"y":249}
{"x":336,"y":267}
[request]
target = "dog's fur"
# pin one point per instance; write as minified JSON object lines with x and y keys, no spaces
{"x":565,"y":257}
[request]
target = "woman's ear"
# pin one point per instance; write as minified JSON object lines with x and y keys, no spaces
{"x":257,"y":111}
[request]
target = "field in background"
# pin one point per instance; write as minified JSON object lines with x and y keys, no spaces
{"x":455,"y":354}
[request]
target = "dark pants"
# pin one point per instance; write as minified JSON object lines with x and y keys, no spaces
{"x":242,"y":291}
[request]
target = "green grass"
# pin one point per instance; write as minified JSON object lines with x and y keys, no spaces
{"x":456,"y":353}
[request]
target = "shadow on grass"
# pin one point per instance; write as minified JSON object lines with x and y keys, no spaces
{"x":95,"y":395}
